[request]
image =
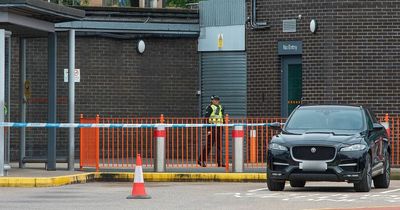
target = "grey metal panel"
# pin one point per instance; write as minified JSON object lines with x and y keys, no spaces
{"x":24,"y":21}
{"x":222,"y":12}
{"x":224,"y":74}
{"x":233,"y":36}
{"x":289,"y":26}
{"x":129,"y":27}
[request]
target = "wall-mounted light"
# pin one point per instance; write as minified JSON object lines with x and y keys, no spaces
{"x":141,"y":47}
{"x":313,"y":26}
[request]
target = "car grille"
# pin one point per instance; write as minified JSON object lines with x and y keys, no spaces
{"x":320,"y":153}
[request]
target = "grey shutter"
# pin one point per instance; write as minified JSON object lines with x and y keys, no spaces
{"x":224,"y":74}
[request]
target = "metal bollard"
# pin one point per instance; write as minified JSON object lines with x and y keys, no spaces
{"x":159,"y":149}
{"x":253,"y":136}
{"x":238,"y":161}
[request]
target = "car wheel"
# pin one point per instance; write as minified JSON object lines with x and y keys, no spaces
{"x":297,"y":183}
{"x":383,"y":180}
{"x":275,"y":186}
{"x":365,"y":184}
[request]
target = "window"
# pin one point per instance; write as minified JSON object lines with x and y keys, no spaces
{"x":373,"y":116}
{"x":369,"y":121}
{"x":151,"y":3}
{"x":314,"y":119}
{"x":71,"y":2}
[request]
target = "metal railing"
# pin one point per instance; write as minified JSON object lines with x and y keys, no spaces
{"x":186,"y":147}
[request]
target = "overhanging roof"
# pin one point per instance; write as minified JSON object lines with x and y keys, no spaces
{"x":41,"y":10}
{"x":180,"y":22}
{"x":34,"y":18}
{"x":127,"y":27}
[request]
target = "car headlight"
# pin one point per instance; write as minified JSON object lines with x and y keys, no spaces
{"x":275,"y":146}
{"x":355,"y":147}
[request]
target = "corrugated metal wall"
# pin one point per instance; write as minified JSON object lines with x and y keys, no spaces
{"x":224,"y":74}
{"x":222,"y":12}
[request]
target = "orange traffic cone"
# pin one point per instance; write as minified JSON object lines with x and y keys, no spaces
{"x":138,"y":191}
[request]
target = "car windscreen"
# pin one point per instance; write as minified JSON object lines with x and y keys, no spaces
{"x":325,"y":119}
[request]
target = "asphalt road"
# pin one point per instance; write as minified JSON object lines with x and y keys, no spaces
{"x":199,"y":196}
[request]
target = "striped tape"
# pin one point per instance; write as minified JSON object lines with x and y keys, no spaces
{"x":83,"y":125}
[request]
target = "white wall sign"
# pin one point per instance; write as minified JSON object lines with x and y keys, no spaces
{"x":77,"y":75}
{"x":222,"y":38}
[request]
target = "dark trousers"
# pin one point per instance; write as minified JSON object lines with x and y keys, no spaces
{"x":214,"y":135}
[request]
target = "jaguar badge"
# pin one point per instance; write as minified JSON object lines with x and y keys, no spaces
{"x":313,"y":149}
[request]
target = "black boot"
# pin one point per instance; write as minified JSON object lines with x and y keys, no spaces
{"x":201,"y":163}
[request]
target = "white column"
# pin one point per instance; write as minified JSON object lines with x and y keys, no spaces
{"x":71,"y":100}
{"x":22,"y":102}
{"x":2,"y":93}
{"x":159,"y":147}
{"x":238,"y":160}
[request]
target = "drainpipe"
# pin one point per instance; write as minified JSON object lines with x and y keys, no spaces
{"x":253,"y":20}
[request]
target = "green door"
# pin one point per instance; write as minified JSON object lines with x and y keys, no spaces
{"x":291,"y":84}
{"x":294,"y":86}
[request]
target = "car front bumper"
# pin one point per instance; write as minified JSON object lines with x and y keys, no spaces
{"x":347,"y":166}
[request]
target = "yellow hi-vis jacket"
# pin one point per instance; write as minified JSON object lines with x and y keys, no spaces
{"x":217,"y":115}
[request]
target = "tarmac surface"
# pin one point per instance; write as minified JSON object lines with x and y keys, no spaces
{"x":201,"y":195}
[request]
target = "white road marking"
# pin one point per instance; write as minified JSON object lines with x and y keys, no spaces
{"x":390,"y":191}
{"x":390,"y":196}
{"x":261,"y":189}
{"x":224,"y":193}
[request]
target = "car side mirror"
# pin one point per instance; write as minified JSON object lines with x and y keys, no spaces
{"x":276,"y":126}
{"x":378,"y":127}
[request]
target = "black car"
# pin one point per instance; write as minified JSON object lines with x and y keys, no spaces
{"x":329,"y":143}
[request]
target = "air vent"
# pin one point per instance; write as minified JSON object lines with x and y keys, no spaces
{"x":289,"y":26}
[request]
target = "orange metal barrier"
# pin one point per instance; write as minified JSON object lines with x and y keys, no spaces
{"x":192,"y":147}
{"x":89,"y":144}
{"x":186,"y":147}
{"x":120,"y":146}
{"x":394,"y":137}
{"x":256,"y":147}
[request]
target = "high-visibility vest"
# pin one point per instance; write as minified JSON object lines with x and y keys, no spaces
{"x":216,"y":116}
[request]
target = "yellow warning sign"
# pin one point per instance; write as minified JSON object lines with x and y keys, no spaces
{"x":27,"y":90}
{"x":220,"y":40}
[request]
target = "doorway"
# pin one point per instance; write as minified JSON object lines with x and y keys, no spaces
{"x":292,"y":86}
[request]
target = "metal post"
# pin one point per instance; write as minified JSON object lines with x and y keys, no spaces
{"x":52,"y":101}
{"x":159,"y":162}
{"x":238,"y":135}
{"x":22,"y":101}
{"x":8,"y":80}
{"x":253,"y":144}
{"x":2,"y":93}
{"x":71,"y":100}
{"x":9,"y":94}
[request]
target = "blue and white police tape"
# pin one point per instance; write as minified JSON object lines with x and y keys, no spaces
{"x":83,"y":125}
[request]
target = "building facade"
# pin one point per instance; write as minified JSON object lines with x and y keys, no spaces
{"x":351,"y":58}
{"x":263,"y":63}
{"x":115,"y":79}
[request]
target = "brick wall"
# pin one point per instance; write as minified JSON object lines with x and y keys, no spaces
{"x":115,"y":81}
{"x":352,"y":58}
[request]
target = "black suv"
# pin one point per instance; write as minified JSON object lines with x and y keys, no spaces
{"x":329,"y":143}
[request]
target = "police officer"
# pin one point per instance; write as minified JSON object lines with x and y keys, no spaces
{"x":215,"y":114}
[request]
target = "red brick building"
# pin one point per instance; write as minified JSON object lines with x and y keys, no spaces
{"x":352,"y":57}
